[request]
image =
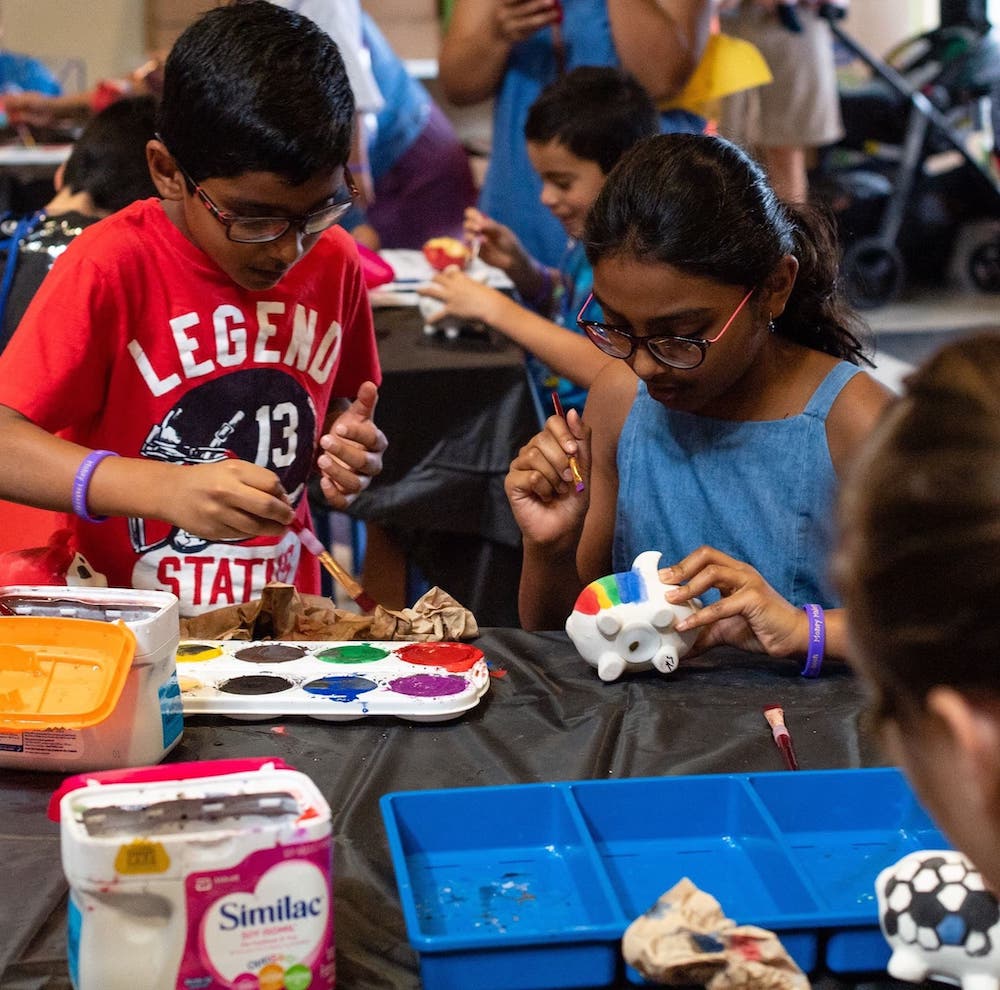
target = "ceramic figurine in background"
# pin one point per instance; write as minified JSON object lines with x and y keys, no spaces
{"x":623,"y":622}
{"x":940,"y":921}
{"x":452,"y":327}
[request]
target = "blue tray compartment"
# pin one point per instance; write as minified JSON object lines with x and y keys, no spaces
{"x":511,"y":868}
{"x":708,"y":829}
{"x":842,"y":828}
{"x":530,"y":887}
{"x":712,"y":831}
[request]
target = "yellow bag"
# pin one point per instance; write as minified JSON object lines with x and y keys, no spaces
{"x":728,"y":65}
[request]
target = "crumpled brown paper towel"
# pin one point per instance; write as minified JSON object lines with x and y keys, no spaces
{"x":685,"y":938}
{"x":282,"y":613}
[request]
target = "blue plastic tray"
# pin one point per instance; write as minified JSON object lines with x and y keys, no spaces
{"x":530,"y":887}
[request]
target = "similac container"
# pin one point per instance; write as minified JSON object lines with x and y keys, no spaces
{"x":198,"y":875}
{"x":137,"y":727}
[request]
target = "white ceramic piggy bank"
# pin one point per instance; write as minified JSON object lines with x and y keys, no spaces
{"x":623,"y":622}
{"x":940,"y":921}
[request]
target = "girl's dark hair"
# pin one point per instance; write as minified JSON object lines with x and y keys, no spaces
{"x":254,"y":87}
{"x":919,"y":560}
{"x":701,"y":205}
{"x":597,"y":112}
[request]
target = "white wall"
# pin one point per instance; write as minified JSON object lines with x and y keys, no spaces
{"x":107,"y":35}
{"x":880,"y":24}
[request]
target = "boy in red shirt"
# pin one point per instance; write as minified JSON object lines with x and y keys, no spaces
{"x":215,"y":340}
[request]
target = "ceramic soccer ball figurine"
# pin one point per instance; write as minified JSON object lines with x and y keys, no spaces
{"x":940,"y":921}
{"x":623,"y":622}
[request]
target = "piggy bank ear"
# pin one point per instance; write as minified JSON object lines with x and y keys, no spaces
{"x":608,"y":624}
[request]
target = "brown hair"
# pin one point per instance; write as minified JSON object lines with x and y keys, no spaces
{"x":919,"y":563}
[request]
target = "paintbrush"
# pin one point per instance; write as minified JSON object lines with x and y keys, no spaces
{"x":558,"y":41}
{"x":782,"y":737}
{"x":477,"y":243}
{"x":353,"y":588}
{"x":574,"y":464}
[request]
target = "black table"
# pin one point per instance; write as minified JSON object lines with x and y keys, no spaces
{"x":455,"y":413}
{"x":547,"y":718}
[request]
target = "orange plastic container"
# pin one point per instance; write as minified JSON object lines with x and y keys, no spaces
{"x":77,"y":691}
{"x":60,"y":673}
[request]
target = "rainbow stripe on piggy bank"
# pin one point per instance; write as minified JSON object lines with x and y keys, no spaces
{"x":623,"y":622}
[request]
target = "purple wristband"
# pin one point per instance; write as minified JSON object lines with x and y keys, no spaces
{"x":82,"y":482}
{"x":817,"y":640}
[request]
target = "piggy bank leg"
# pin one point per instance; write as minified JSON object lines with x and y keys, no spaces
{"x":909,"y":964}
{"x":610,"y":666}
{"x":980,"y":981}
{"x":665,"y":661}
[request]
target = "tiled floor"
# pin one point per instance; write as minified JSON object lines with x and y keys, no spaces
{"x":910,"y":330}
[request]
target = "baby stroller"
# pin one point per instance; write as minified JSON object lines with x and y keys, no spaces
{"x":918,"y":163}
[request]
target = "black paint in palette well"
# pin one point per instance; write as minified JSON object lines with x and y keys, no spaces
{"x":256,"y":684}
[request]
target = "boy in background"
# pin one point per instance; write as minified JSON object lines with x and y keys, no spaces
{"x":576,"y":131}
{"x":210,"y":344}
{"x":106,"y":170}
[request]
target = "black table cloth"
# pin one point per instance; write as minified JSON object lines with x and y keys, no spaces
{"x":546,"y":716}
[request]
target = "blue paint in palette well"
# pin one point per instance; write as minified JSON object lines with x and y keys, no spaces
{"x":347,"y":688}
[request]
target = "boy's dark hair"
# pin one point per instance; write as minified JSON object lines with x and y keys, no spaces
{"x":252,"y":87}
{"x":108,"y":160}
{"x":703,"y":206}
{"x":597,"y":112}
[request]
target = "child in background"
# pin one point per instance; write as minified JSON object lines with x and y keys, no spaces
{"x":213,"y":340}
{"x":719,"y":436}
{"x":919,"y":565}
{"x":576,"y":131}
{"x":106,"y":171}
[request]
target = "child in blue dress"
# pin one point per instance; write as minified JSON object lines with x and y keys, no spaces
{"x":719,"y":436}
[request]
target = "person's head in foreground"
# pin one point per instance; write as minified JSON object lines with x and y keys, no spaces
{"x":577,"y":129}
{"x":253,"y":137}
{"x":919,"y":566}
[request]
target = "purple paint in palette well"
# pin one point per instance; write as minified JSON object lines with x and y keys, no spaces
{"x":340,"y":688}
{"x":428,"y":685}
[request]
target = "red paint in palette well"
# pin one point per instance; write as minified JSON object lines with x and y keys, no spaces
{"x":452,"y":656}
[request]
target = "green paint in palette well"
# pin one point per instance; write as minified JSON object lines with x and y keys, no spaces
{"x":353,"y":653}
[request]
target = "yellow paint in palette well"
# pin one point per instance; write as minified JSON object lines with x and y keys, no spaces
{"x":188,"y":684}
{"x":197,"y":652}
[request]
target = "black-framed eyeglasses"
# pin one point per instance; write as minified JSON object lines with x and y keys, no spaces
{"x":684,"y":353}
{"x":260,"y":230}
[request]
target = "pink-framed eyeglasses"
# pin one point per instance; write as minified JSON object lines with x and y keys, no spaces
{"x":684,"y":353}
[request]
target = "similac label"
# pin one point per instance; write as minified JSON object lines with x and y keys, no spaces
{"x":265,"y":924}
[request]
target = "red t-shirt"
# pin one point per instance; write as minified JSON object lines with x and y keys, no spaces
{"x":137,"y":342}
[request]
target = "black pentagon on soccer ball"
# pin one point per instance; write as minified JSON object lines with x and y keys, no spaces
{"x":890,"y":921}
{"x":927,"y":910}
{"x":981,"y":912}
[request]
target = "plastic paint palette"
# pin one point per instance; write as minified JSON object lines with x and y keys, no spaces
{"x":420,"y":682}
{"x":530,"y":887}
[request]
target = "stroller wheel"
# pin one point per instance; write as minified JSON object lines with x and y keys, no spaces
{"x":984,"y":267}
{"x":873,"y":273}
